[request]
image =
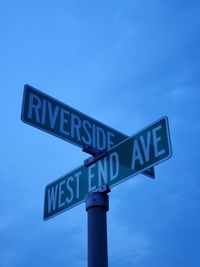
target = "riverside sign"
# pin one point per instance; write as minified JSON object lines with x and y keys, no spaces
{"x":58,"y":119}
{"x":54,"y":117}
{"x":143,"y":150}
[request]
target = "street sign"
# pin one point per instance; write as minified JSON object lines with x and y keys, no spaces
{"x":54,"y":117}
{"x":138,"y":153}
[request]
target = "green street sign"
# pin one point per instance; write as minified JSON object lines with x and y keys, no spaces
{"x":138,"y":153}
{"x":58,"y":119}
{"x":54,"y":117}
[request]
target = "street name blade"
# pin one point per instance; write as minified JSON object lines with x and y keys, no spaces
{"x":52,"y":116}
{"x":143,"y":150}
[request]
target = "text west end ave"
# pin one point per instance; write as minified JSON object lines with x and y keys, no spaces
{"x":148,"y":148}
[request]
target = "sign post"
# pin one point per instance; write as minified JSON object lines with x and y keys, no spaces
{"x":97,"y":205}
{"x":117,"y":158}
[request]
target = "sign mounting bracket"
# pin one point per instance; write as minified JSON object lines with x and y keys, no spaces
{"x":96,"y":155}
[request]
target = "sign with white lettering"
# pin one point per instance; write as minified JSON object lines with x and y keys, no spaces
{"x":52,"y":116}
{"x":143,"y":150}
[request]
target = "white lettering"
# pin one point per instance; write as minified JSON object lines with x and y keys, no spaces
{"x":44,"y":108}
{"x":69,"y":199}
{"x":157,"y":139}
{"x":90,"y":177}
{"x":146,"y":147}
{"x":34,"y":106}
{"x":136,"y":154}
{"x":52,"y":196}
{"x":94,"y":135}
{"x":52,"y":115}
{"x":114,"y":161}
{"x":77,"y":176}
{"x":75,"y":126}
{"x":86,"y":125}
{"x":101,"y":138}
{"x":60,"y":193}
{"x":63,"y":120}
{"x":109,"y":141}
{"x":102,"y":171}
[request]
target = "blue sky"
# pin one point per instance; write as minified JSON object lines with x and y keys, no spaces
{"x":126,"y":63}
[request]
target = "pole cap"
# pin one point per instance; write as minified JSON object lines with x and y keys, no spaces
{"x":97,"y":199}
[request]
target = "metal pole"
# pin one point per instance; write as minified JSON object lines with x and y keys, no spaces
{"x":97,"y":205}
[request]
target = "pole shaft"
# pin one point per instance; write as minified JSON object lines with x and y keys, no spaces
{"x":97,"y":206}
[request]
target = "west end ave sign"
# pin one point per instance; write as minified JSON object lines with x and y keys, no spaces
{"x":143,"y":150}
{"x":54,"y":117}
